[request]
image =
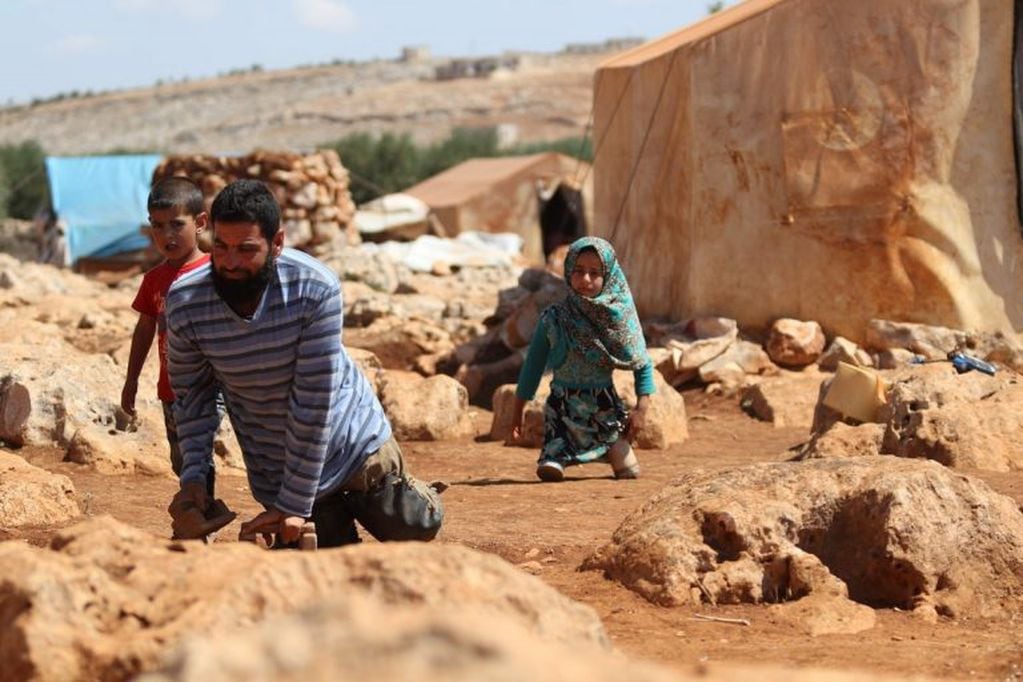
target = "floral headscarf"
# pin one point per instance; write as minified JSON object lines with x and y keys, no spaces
{"x":605,"y":329}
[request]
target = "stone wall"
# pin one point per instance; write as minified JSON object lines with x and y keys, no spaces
{"x":312,"y":189}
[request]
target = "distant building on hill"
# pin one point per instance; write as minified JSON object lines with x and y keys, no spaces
{"x":609,"y":45}
{"x":411,"y":54}
{"x":477,"y":67}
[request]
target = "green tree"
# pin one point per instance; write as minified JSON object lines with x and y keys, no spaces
{"x":715,"y":7}
{"x":378,"y":166}
{"x":5,"y":192}
{"x":392,"y":163}
{"x":576,"y":147}
{"x":125,"y":151}
{"x":25,"y":169}
{"x":463,"y":144}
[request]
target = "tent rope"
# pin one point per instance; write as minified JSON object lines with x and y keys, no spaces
{"x":582,"y":146}
{"x":365,"y":182}
{"x":577,"y":179}
{"x":642,"y":146}
{"x":610,"y":124}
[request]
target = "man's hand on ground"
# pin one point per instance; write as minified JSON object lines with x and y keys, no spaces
{"x":275,"y":521}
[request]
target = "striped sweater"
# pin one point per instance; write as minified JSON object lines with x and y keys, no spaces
{"x":304,"y":414}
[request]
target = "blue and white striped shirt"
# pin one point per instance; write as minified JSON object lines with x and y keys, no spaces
{"x":305,"y":416}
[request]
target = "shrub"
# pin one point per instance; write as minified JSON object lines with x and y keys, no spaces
{"x":461,"y":145}
{"x":23,"y":166}
{"x":392,"y":163}
{"x":576,"y":147}
{"x":5,"y":192}
{"x":378,"y":166}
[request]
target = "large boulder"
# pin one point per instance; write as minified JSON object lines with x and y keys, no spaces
{"x":35,"y":281}
{"x":895,"y":358}
{"x":15,"y":409}
{"x":363,"y":311}
{"x":354,"y":638}
{"x":369,"y":364}
{"x":482,"y":379}
{"x":892,"y":532}
{"x":932,"y":342}
{"x":53,"y":394}
{"x":366,"y":265}
{"x":935,"y":342}
{"x":398,"y":342}
{"x":544,"y":289}
{"x":960,"y":420}
{"x":795,"y":343}
{"x":30,"y":496}
{"x":844,"y":440}
{"x":844,"y":350}
{"x":734,"y":368}
{"x":106,"y":601}
{"x":666,"y":422}
{"x":436,"y":408}
{"x":692,"y":344}
{"x":502,"y":423}
{"x":787,"y":400}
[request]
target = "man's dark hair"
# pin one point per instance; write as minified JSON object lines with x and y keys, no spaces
{"x":247,"y":201}
{"x":176,"y":192}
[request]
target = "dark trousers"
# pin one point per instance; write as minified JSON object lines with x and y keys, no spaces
{"x":177,"y":461}
{"x":384,"y":499}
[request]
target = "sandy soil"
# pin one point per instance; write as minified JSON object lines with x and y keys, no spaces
{"x":495,"y":504}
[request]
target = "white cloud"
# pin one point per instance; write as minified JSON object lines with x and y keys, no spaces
{"x":79,"y":43}
{"x":193,"y":9}
{"x":325,"y":15}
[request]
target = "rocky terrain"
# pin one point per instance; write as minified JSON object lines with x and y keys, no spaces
{"x":769,"y":537}
{"x":545,"y":97}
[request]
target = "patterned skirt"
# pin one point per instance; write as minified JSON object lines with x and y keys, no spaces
{"x":581,"y":424}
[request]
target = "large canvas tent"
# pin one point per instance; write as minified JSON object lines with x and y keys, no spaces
{"x":101,"y":202}
{"x":505,"y":195}
{"x":818,"y":159}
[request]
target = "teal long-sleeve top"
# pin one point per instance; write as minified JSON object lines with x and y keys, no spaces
{"x":575,"y":372}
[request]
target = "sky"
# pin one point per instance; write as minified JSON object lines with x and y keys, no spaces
{"x":58,"y":46}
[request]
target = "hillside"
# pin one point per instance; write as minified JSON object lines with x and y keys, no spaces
{"x":544,"y":96}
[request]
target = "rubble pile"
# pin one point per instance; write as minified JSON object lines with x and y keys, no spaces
{"x":312,"y":189}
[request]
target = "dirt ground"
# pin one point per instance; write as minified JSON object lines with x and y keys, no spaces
{"x":495,"y":504}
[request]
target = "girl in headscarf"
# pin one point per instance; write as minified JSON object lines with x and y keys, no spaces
{"x":583,"y":339}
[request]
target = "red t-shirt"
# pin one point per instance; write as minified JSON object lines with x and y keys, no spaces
{"x":149,"y":301}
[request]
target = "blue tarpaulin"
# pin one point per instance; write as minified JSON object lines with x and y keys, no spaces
{"x":102,"y":200}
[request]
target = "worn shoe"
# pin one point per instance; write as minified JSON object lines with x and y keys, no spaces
{"x":189,"y":523}
{"x":550,"y":471}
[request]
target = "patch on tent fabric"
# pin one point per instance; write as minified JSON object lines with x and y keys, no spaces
{"x":846,"y":147}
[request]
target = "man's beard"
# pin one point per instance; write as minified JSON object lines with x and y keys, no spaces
{"x":236,"y":292}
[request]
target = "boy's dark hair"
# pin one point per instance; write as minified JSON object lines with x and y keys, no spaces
{"x":176,"y":192}
{"x":247,"y":201}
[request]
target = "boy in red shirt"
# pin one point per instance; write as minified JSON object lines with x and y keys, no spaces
{"x":177,"y":215}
